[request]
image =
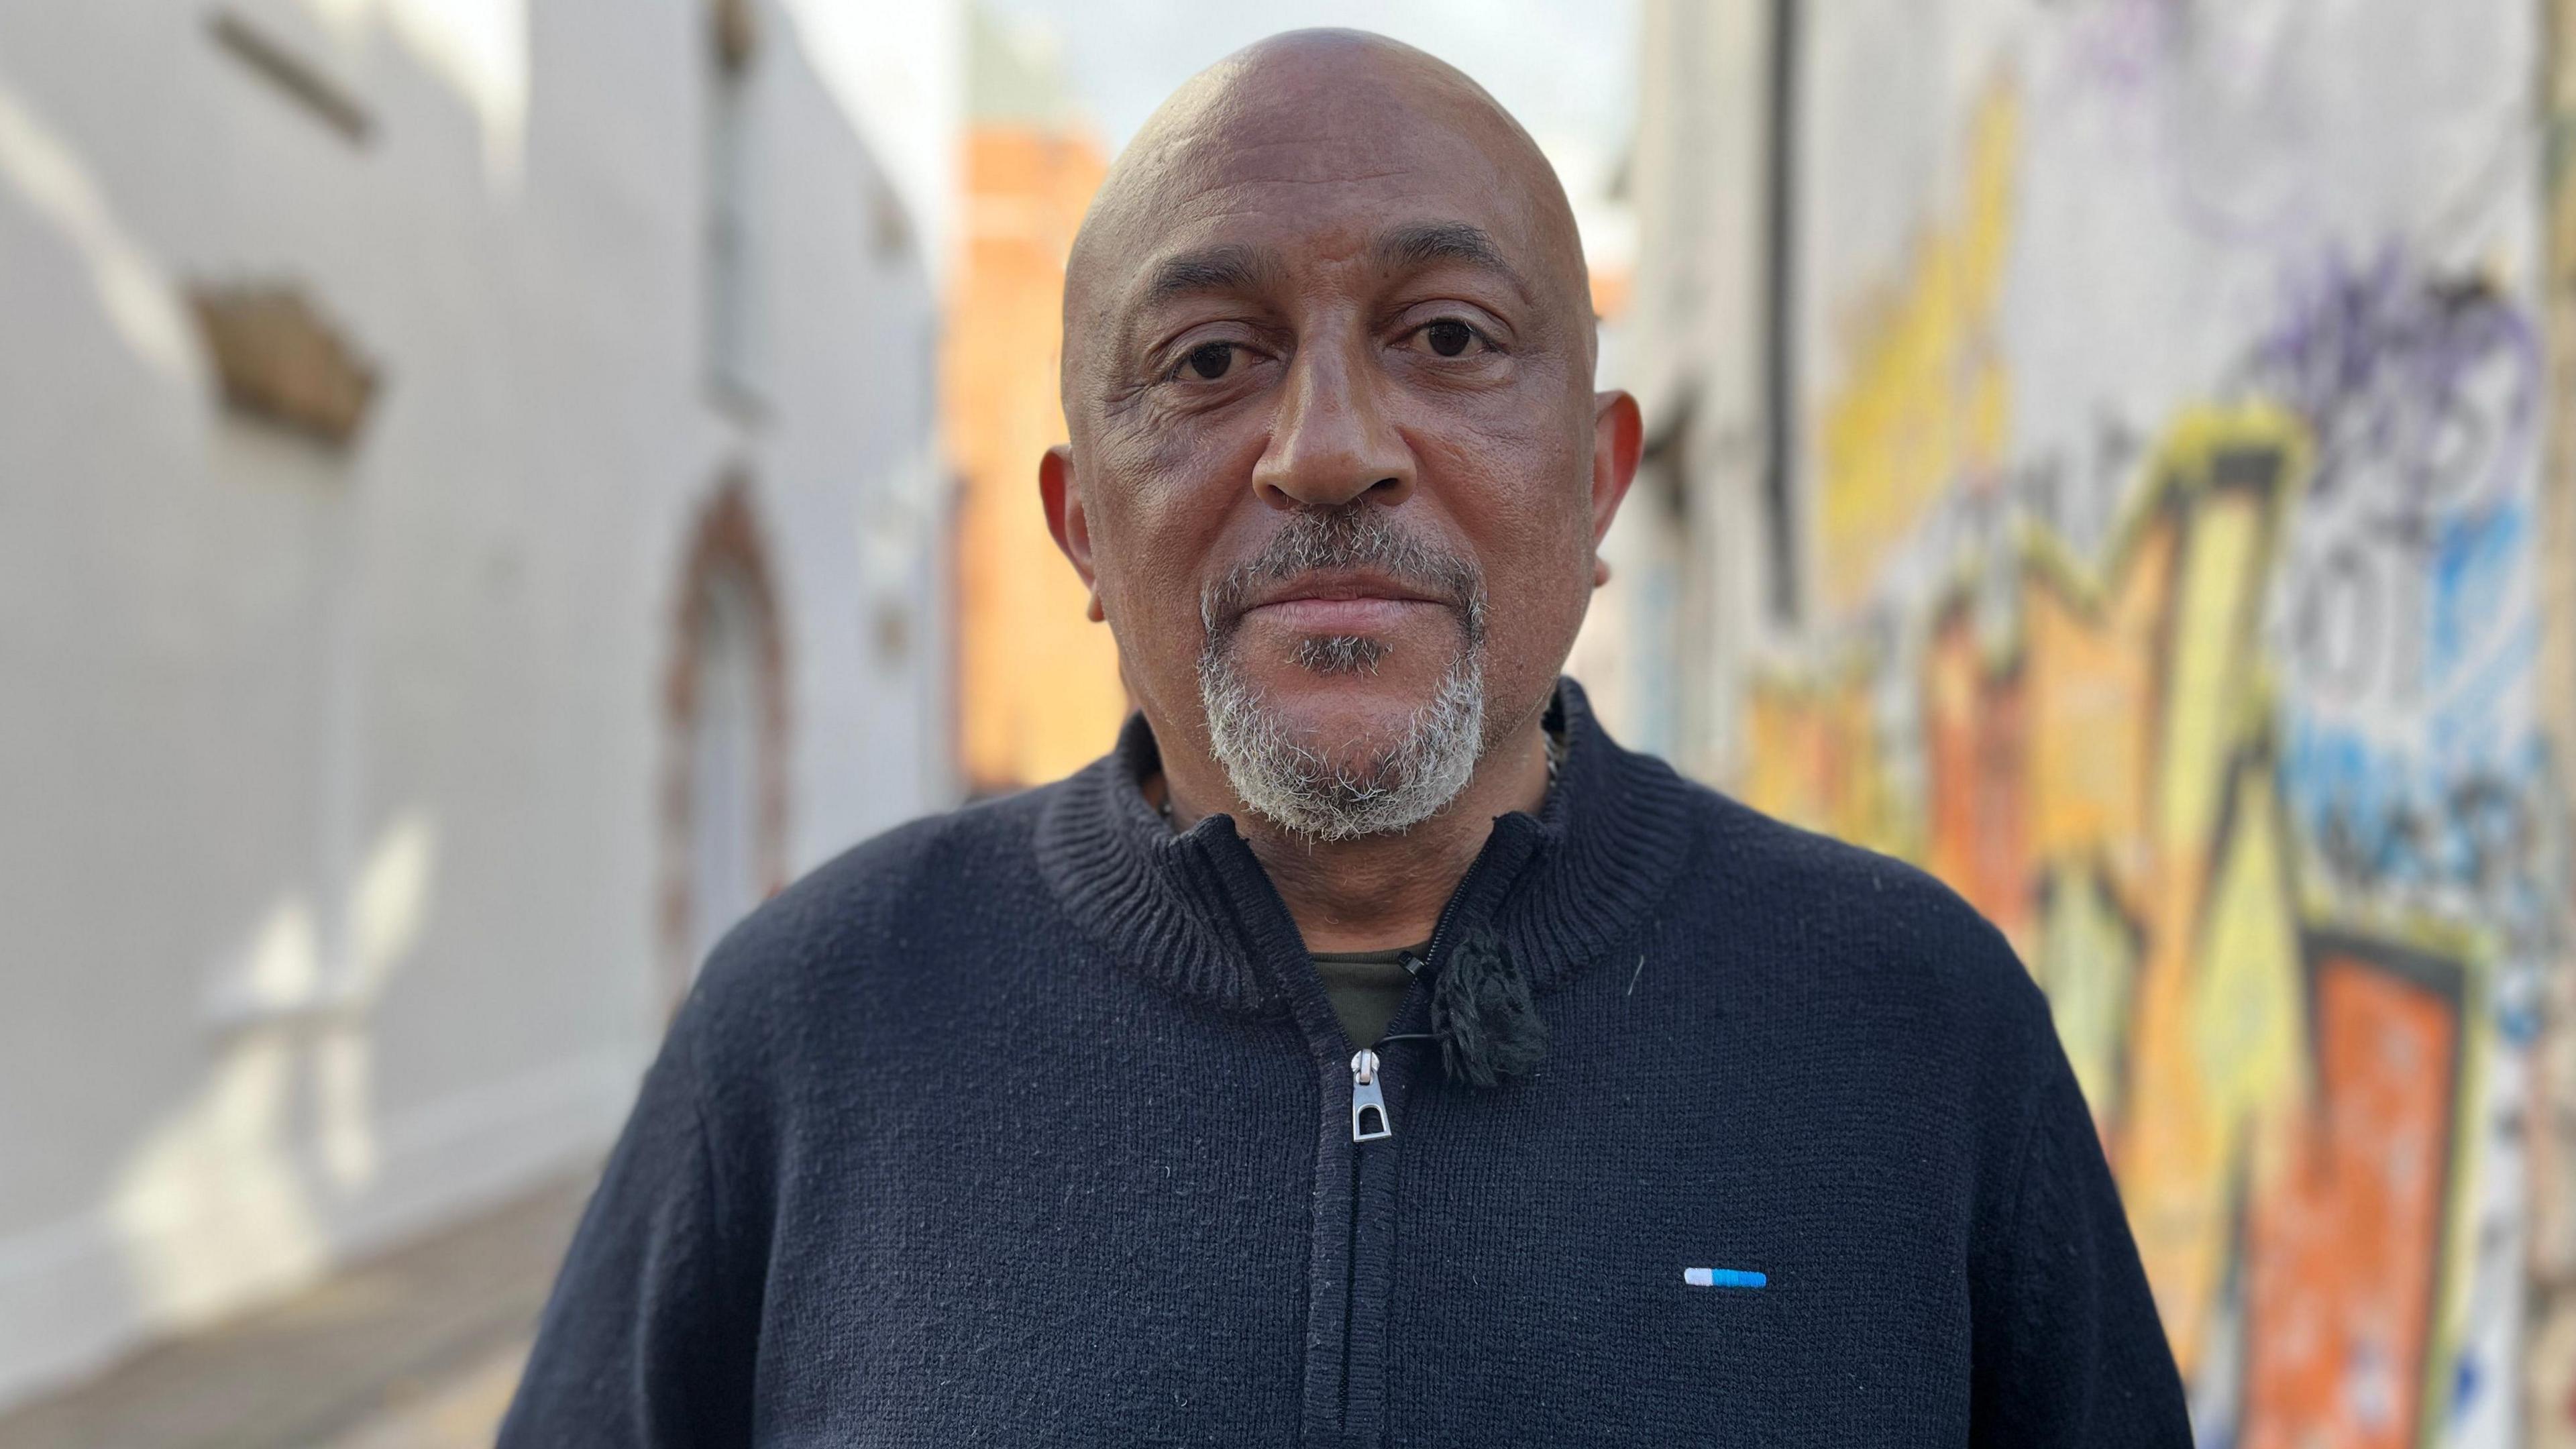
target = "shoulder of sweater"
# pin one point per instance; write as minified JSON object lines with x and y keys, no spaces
{"x":1887,"y":923}
{"x":864,"y":907}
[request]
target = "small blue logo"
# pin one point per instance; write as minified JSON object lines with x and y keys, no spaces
{"x":1723,"y":1278}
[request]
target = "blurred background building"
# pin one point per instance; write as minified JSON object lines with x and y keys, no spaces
{"x":490,"y":487}
{"x":1037,"y":681}
{"x":2114,"y":454}
{"x":470,"y":526}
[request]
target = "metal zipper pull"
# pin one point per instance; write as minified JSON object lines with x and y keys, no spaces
{"x":1368,"y":1103}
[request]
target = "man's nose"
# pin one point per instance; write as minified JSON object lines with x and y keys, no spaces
{"x":1332,"y":442}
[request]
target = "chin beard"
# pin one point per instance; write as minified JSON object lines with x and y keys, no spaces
{"x":1331,"y":790}
{"x":1321,"y":792}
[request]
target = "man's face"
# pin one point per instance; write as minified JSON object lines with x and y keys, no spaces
{"x":1333,"y":472}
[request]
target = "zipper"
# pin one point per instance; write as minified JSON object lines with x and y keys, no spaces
{"x":1368,"y":1099}
{"x":1369,"y":1119}
{"x":1356,"y":1179}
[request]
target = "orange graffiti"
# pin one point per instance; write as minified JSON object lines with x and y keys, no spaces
{"x":1816,"y":759}
{"x":1977,"y":743}
{"x":2340,"y":1276}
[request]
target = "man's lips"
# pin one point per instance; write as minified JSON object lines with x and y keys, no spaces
{"x":1356,"y":615}
{"x":1340,"y":604}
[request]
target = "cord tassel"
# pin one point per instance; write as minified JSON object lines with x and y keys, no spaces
{"x":1482,"y":1014}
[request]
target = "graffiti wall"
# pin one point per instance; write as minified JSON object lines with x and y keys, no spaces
{"x":2171,"y":385}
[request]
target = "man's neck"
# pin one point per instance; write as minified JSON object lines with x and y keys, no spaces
{"x":1383,"y":891}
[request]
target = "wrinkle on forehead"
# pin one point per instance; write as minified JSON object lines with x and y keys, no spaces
{"x":1325,"y":109}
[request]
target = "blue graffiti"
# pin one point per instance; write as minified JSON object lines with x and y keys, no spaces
{"x":2473,"y":563}
{"x":2470,"y":836}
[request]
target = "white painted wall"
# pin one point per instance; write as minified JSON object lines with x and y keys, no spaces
{"x":330,"y":842}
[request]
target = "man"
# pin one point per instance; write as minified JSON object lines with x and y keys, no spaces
{"x":1629,"y":1116}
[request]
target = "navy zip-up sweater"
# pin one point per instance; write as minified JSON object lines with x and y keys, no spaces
{"x":1032,"y":1124}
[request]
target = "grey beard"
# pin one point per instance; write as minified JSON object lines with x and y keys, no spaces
{"x":1289,"y":781}
{"x":1307,"y":793}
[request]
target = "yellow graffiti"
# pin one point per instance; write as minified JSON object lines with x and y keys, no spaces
{"x":2088,"y":962}
{"x":2181,"y":1148}
{"x":1928,"y":399}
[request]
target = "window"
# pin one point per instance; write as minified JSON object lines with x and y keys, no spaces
{"x":725,"y":875}
{"x":725,"y":791}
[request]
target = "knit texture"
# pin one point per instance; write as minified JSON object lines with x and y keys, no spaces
{"x":1030,"y":1124}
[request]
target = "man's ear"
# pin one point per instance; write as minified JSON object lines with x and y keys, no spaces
{"x":1067,"y":520}
{"x":1618,"y":437}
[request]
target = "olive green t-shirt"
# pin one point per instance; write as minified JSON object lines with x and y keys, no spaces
{"x":1366,"y":987}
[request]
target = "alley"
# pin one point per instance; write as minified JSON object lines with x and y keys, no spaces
{"x":418,"y":1349}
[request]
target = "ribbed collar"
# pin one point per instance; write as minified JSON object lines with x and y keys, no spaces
{"x":1196,"y":913}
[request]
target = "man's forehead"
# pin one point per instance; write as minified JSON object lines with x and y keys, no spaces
{"x":1219,"y":259}
{"x":1320,"y":149}
{"x":1242,"y":215}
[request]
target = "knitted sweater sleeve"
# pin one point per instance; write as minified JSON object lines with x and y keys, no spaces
{"x":648,"y":1338}
{"x":2068,"y":1346}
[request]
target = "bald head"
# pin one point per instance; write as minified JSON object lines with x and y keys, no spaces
{"x":1318,"y":109}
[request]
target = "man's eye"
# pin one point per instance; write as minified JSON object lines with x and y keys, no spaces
{"x":1209,"y":361}
{"x":1450,"y":337}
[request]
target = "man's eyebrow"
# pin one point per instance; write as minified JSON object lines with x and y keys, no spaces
{"x":1409,"y":247}
{"x":1223,"y":268}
